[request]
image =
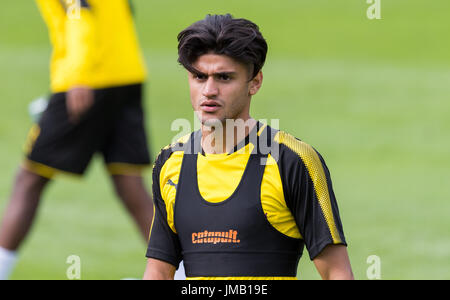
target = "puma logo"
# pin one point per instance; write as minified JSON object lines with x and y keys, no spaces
{"x":170,"y":182}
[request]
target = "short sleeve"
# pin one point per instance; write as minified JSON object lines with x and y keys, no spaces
{"x":163,"y":242}
{"x":309,"y":195}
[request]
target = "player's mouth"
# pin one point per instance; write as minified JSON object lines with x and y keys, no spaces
{"x":210,"y":106}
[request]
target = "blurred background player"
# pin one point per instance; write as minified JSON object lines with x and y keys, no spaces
{"x":97,"y":74}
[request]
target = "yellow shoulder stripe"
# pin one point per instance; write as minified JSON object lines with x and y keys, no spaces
{"x":170,"y":172}
{"x":316,"y":172}
{"x":182,"y":140}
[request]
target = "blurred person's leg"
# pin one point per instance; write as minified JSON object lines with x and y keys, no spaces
{"x":126,"y":154}
{"x":133,"y":194}
{"x":18,"y":217}
{"x":56,"y":145}
{"x":131,"y":190}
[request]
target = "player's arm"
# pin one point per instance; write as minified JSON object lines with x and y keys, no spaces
{"x":164,"y":249}
{"x":81,"y":42}
{"x":81,"y":39}
{"x":72,"y":31}
{"x":79,"y":99}
{"x":333,"y":263}
{"x":310,"y":197}
{"x":159,"y":270}
{"x":53,"y":13}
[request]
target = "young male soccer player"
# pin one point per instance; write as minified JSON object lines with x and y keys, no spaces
{"x":97,"y":73}
{"x":225,"y":205}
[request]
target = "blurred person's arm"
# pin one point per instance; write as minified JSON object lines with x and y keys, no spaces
{"x":72,"y":33}
{"x":333,"y":263}
{"x":80,"y":34}
{"x":54,"y":16}
{"x":80,"y":41}
{"x":79,"y":100}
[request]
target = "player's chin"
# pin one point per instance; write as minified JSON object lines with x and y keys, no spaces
{"x":212,"y":121}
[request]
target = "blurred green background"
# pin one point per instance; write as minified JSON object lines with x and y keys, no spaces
{"x":373,"y":96}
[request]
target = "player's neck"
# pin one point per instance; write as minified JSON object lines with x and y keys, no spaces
{"x":225,"y":136}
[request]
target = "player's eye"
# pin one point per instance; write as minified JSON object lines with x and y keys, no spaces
{"x":224,"y":77}
{"x":199,"y":76}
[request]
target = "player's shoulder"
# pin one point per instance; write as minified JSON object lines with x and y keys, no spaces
{"x":290,"y":144}
{"x":292,"y":150}
{"x":172,"y":152}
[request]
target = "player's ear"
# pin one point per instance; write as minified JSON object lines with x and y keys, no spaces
{"x":255,"y":84}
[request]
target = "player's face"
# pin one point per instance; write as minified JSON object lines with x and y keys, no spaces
{"x":222,"y":89}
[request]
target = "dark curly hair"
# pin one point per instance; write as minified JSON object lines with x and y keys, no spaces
{"x":239,"y":39}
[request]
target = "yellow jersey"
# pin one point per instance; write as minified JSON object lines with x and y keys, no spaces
{"x":94,"y":44}
{"x":228,"y":217}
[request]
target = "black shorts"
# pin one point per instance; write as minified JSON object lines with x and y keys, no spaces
{"x":113,"y":126}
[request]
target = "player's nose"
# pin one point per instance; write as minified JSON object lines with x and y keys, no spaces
{"x":210,"y":89}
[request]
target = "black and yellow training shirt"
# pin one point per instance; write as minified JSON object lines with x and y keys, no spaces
{"x":242,"y":215}
{"x":94,"y":44}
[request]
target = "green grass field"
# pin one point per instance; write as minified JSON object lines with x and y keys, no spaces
{"x":373,"y":96}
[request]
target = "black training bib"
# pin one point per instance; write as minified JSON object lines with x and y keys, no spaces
{"x":232,"y":238}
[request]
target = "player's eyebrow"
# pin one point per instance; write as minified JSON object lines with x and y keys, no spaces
{"x":225,"y":73}
{"x":216,"y":74}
